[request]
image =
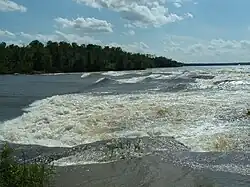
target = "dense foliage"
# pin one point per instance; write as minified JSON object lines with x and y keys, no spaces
{"x":65,"y":57}
{"x":14,"y":174}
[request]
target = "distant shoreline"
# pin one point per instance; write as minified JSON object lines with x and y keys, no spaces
{"x":47,"y":73}
{"x":182,"y":65}
{"x":58,"y":72}
{"x":217,"y":64}
{"x":179,"y":65}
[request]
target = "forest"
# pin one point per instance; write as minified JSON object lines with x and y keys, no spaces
{"x":57,"y":57}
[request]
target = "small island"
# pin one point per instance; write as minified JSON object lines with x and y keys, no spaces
{"x":62,"y":57}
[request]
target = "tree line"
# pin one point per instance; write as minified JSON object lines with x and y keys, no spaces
{"x":55,"y":57}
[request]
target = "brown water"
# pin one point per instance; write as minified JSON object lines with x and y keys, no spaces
{"x":203,"y":108}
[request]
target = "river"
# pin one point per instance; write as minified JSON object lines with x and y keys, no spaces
{"x":192,"y":117}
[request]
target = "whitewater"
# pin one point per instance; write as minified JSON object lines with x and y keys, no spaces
{"x":204,"y":108}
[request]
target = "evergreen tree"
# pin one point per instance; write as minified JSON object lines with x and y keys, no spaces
{"x":52,"y":57}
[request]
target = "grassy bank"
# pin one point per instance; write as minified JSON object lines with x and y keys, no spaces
{"x":22,"y":174}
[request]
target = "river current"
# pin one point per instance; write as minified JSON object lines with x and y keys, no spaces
{"x":205,"y":109}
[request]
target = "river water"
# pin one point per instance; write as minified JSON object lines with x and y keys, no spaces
{"x":203,"y":108}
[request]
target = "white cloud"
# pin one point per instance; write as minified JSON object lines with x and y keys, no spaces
{"x":136,"y":47}
{"x":77,"y":39}
{"x":128,"y":25}
{"x":189,"y":15}
{"x":139,"y":13}
{"x":185,"y":48}
{"x":72,"y":31}
{"x":129,"y":33}
{"x":85,"y":25}
{"x":181,"y":48}
{"x":40,"y":37}
{"x":5,"y":33}
{"x":15,"y":42}
{"x":60,"y":36}
{"x":8,"y":6}
{"x":178,"y":5}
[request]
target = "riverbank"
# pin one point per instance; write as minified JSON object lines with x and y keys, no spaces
{"x":146,"y":171}
{"x":162,"y":161}
{"x":171,"y":164}
{"x":151,"y":171}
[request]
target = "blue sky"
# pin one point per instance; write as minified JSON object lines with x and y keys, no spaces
{"x":185,"y":30}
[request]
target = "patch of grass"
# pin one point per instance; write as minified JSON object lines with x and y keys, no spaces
{"x":15,"y":174}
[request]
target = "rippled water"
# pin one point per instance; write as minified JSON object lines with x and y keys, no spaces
{"x":203,"y":108}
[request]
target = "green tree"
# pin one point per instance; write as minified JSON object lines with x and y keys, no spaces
{"x":37,"y":57}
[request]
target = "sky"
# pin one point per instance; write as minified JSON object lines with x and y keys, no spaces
{"x":184,"y":30}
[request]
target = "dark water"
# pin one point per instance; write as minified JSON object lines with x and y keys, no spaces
{"x":18,"y":92}
{"x":207,"y":113}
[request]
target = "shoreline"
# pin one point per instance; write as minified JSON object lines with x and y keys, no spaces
{"x":146,"y":171}
{"x":72,"y":72}
{"x":173,"y":165}
{"x":170,"y":167}
{"x":179,"y":66}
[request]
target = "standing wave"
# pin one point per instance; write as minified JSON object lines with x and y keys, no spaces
{"x":202,"y":121}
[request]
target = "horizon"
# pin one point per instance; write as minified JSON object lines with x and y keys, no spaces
{"x":219,"y":63}
{"x":184,"y":30}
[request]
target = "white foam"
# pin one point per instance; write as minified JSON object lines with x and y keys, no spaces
{"x":132,"y":80}
{"x":116,"y":73}
{"x":193,"y":118}
{"x":73,"y":160}
{"x":100,"y":80}
{"x":121,"y":73}
{"x":84,"y":75}
{"x":227,"y":79}
{"x":53,"y":74}
{"x":57,"y":74}
{"x":141,"y":78}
